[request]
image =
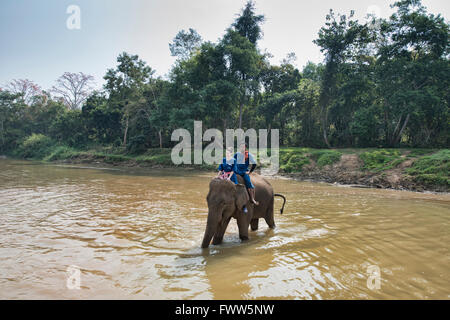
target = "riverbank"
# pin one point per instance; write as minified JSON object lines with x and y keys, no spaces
{"x":404,"y":169}
{"x":401,"y":169}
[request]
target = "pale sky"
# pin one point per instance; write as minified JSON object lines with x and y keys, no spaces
{"x":37,"y":45}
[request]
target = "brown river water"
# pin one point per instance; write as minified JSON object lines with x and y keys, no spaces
{"x":136,"y":234}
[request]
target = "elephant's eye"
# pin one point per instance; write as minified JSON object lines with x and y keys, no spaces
{"x":226,"y":203}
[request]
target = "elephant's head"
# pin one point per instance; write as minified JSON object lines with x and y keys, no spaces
{"x":224,"y":199}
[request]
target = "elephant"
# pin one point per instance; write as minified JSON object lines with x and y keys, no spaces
{"x":226,"y":200}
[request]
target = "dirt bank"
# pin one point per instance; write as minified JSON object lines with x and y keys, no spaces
{"x":348,"y":171}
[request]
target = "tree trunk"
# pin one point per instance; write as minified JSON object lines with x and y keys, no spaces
{"x":324,"y":125}
{"x":225,"y":123}
{"x":399,"y":136}
{"x":323,"y":103}
{"x":160,"y":139}
{"x":282,"y":131}
{"x":386,"y":128}
{"x":241,"y":106}
{"x":394,"y":133}
{"x":125,"y":133}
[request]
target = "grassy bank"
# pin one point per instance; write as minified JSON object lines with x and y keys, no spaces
{"x":405,"y":168}
{"x":412,"y":169}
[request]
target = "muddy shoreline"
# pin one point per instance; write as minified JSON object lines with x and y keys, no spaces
{"x":346,"y":172}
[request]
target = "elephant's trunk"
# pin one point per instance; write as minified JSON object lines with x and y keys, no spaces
{"x":209,"y":233}
{"x":211,"y":228}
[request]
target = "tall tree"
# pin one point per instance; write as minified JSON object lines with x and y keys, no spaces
{"x":185,"y":43}
{"x":248,"y":24}
{"x":124,"y":86}
{"x":102,"y":120}
{"x":241,"y":55}
{"x":337,"y":39}
{"x":412,"y":72}
{"x":73,"y":88}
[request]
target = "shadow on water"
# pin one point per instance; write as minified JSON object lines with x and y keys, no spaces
{"x":227,"y":266}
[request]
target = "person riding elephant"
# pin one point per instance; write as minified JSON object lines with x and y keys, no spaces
{"x":242,"y":161}
{"x":226,"y":200}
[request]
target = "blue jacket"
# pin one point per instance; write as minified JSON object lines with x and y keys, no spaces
{"x":241,"y":164}
{"x":227,"y":165}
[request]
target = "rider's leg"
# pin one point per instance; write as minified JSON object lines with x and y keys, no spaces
{"x":250,"y":188}
{"x":234,"y":178}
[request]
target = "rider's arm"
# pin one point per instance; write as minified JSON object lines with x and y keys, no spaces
{"x":252,"y":162}
{"x":234,"y":169}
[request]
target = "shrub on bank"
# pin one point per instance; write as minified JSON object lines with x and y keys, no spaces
{"x":36,"y":146}
{"x":432,"y":169}
{"x":295,"y":163}
{"x":378,"y":160}
{"x":293,"y":159}
{"x":61,"y":153}
{"x":326,"y":157}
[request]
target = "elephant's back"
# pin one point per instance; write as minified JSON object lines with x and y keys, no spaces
{"x":262,"y":186}
{"x":266,"y":186}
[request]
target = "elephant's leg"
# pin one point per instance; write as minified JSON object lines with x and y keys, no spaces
{"x":269,"y":215}
{"x":254,"y":224}
{"x":270,"y":222}
{"x":218,"y":237}
{"x":243,"y":223}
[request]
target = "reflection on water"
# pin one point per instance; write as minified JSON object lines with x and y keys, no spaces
{"x":137,"y":233}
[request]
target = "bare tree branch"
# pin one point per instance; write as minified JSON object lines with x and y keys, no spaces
{"x":26,"y":88}
{"x":73,"y":88}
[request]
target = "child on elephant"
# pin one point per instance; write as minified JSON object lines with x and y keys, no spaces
{"x":227,"y":167}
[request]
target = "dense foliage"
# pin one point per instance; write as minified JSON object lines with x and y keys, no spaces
{"x":383,"y":83}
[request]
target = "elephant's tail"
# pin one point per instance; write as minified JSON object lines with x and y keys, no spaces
{"x":284,"y":201}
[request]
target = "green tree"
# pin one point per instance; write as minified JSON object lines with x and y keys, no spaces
{"x":69,"y":128}
{"x":12,"y":113}
{"x":243,"y":62}
{"x":102,"y":120}
{"x":413,"y":75}
{"x":312,"y":71}
{"x":124,"y":86}
{"x":248,"y":24}
{"x":338,"y":40}
{"x":277,"y":79}
{"x":242,"y":58}
{"x":185,"y":43}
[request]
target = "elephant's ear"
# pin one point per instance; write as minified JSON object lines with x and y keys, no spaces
{"x":241,"y":196}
